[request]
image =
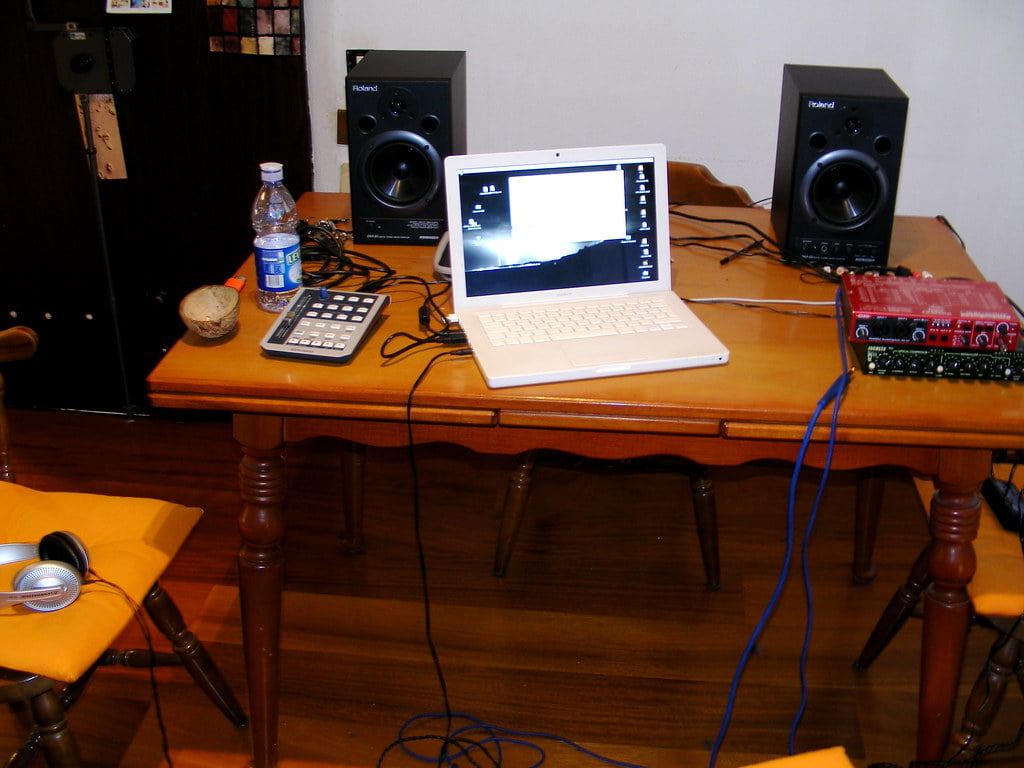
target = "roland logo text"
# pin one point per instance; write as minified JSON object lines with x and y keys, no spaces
{"x":819,"y":104}
{"x":356,"y":87}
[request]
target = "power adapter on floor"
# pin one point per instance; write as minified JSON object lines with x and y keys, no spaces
{"x":1005,"y":500}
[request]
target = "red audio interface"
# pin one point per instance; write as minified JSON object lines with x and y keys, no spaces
{"x":948,"y":314}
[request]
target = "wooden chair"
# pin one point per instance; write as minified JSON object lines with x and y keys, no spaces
{"x":688,"y":183}
{"x":103,"y":555}
{"x":997,"y":596}
{"x":694,"y":184}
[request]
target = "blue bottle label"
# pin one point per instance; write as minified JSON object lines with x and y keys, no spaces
{"x":279,"y":269}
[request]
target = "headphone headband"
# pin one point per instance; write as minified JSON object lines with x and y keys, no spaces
{"x":16,"y":553}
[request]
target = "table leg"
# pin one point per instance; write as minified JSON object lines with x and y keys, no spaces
{"x":261,"y":527}
{"x":947,"y":608}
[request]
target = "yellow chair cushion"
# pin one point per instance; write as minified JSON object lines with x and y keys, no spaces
{"x":997,"y":588}
{"x":130,"y":541}
{"x":822,"y":758}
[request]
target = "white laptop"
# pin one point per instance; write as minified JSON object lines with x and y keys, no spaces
{"x":535,"y":236}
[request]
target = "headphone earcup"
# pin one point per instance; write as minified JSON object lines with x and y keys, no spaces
{"x":49,"y":573}
{"x":66,"y":548}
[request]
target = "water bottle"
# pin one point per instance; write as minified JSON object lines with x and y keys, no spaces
{"x":278,"y":258}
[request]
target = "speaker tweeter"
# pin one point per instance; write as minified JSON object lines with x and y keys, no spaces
{"x":837,"y":164}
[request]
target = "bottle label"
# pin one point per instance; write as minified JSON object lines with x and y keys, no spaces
{"x":279,"y":269}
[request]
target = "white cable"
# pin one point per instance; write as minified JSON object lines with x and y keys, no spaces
{"x":739,"y":300}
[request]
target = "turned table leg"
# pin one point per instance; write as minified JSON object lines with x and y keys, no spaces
{"x":261,"y":527}
{"x":947,"y":609}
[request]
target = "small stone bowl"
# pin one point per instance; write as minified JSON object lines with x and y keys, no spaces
{"x":211,"y":310}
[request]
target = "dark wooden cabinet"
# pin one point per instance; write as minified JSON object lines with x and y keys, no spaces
{"x":194,"y":127}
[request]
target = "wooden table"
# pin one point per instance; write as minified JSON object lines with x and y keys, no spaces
{"x":756,"y":407}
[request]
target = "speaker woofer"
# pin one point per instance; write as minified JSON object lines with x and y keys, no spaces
{"x":401,"y":171}
{"x":844,"y":189}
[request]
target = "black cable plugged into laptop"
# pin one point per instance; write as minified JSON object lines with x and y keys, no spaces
{"x":447,"y":335}
{"x":462,"y":738}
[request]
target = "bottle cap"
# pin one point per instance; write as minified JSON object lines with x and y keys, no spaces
{"x":271,"y":172}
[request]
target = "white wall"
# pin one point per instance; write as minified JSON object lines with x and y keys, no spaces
{"x":705,"y":77}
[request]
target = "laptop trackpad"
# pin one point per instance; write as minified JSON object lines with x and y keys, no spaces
{"x":607,"y":350}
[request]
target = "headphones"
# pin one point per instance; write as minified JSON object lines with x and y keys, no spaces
{"x":52,"y":583}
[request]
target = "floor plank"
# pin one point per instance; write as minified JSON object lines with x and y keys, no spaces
{"x":602,"y":633}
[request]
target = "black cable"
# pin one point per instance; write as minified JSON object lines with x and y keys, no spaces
{"x":447,"y":334}
{"x":328,"y":262}
{"x":768,"y":307}
{"x":464,"y":745}
{"x":1016,"y":306}
{"x":446,"y":739}
{"x":785,"y":257}
{"x":978,"y":756}
{"x":952,"y":229}
{"x":139,"y":616}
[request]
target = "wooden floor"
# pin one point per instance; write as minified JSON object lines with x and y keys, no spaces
{"x":602,"y":633}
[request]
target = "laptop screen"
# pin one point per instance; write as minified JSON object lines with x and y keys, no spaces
{"x":549,"y":226}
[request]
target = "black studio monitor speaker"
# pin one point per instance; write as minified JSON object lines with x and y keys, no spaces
{"x":837,"y":164}
{"x":406,"y":113}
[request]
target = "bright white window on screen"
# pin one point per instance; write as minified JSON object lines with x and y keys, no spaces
{"x":568,"y":207}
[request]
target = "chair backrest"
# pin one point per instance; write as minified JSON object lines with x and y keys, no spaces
{"x":17,"y":343}
{"x":694,"y":184}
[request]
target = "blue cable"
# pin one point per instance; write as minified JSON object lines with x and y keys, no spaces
{"x":840,"y":389}
{"x":509,"y":737}
{"x":833,"y":393}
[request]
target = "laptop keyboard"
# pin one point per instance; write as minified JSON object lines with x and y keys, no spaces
{"x":612,"y":317}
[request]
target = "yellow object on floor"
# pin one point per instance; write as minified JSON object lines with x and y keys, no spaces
{"x":834,"y":757}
